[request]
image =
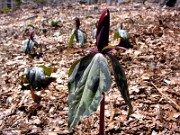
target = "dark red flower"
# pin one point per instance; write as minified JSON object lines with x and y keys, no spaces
{"x":77,"y":23}
{"x":102,"y":36}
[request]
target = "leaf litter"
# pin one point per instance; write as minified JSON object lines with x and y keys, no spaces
{"x":154,"y":59}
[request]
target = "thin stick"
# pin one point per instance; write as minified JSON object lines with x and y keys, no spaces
{"x":101,"y":125}
{"x":173,"y":103}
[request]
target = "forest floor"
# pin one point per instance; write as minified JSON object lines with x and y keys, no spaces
{"x":152,"y":68}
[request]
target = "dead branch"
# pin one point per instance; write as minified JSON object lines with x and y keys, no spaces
{"x":172,"y":103}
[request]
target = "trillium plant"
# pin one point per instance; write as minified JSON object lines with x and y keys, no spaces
{"x":90,"y":78}
{"x":25,"y":29}
{"x":80,"y":35}
{"x":43,"y":24}
{"x":37,"y":78}
{"x":54,"y":23}
{"x":124,"y":37}
{"x":30,"y":46}
{"x":94,"y":31}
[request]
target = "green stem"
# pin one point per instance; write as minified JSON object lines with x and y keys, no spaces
{"x":101,"y":126}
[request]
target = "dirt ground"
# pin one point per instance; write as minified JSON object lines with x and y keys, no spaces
{"x":152,"y":68}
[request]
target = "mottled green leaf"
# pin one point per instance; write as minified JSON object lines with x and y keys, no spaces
{"x":81,"y":37}
{"x":89,"y":16}
{"x":31,"y":25}
{"x":116,"y":35}
{"x":22,"y":77}
{"x":35,"y":76}
{"x":124,"y":42}
{"x":54,"y":23}
{"x":93,"y":33}
{"x":47,"y":70}
{"x":77,"y":69}
{"x":108,"y":48}
{"x":86,"y":84}
{"x":28,"y":46}
{"x":121,"y":81}
{"x":71,"y":40}
{"x":25,"y":27}
{"x":123,"y":33}
{"x":72,"y":67}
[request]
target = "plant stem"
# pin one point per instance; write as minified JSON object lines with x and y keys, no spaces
{"x":35,"y":97}
{"x":101,"y":125}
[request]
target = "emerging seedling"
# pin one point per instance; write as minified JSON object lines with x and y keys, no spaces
{"x":30,"y":46}
{"x":26,"y":29}
{"x":55,"y":23}
{"x":37,"y":78}
{"x":90,"y":78}
{"x":94,"y":31}
{"x":80,"y":35}
{"x":43,"y":24}
{"x":124,"y":37}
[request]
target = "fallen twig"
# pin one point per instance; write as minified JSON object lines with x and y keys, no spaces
{"x":173,"y":103}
